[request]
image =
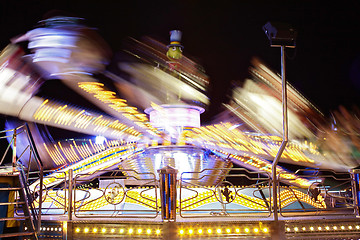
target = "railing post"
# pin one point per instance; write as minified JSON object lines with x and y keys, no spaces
{"x":167,"y":177}
{"x":355,"y":183}
{"x":71,"y":184}
{"x":14,"y":151}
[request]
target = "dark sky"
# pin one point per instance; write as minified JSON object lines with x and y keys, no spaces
{"x":223,"y":36}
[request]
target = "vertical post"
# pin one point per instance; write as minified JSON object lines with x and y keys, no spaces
{"x":70,"y":199}
{"x":167,"y":177}
{"x":285,"y":134}
{"x":40,"y":197}
{"x":14,"y":151}
{"x":355,"y":183}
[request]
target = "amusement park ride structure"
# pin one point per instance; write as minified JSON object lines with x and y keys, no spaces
{"x":158,"y":173}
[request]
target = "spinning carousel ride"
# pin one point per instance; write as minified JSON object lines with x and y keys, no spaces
{"x":154,"y":171}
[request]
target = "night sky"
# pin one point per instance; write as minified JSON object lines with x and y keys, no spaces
{"x":223,"y":36}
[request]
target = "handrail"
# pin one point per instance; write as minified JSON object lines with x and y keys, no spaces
{"x":28,"y":198}
{"x":23,"y":176}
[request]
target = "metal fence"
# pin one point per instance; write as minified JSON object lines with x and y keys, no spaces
{"x":54,"y":192}
{"x":241,"y":193}
{"x":235,"y":192}
{"x":110,"y":194}
{"x":328,"y":193}
{"x":15,"y":167}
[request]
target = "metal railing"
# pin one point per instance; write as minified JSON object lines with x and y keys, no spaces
{"x":29,"y":155}
{"x":237,"y":193}
{"x":328,"y":193}
{"x":54,"y":192}
{"x":124,"y":193}
{"x":241,"y":194}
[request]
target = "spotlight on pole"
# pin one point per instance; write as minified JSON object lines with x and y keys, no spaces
{"x":284,"y":36}
{"x":280,"y":34}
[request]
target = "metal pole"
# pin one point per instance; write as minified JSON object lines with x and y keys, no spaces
{"x":71,"y":173}
{"x":14,"y":151}
{"x":355,"y":184}
{"x":40,"y":196}
{"x":285,"y":134}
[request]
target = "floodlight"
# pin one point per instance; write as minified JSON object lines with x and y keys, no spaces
{"x":280,"y":34}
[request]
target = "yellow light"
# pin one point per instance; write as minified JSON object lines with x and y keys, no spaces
{"x":148,"y":231}
{"x":319,"y":228}
{"x":296,"y":229}
{"x":209,"y":231}
{"x":350,"y":227}
{"x":103,"y":230}
{"x":200,"y":231}
{"x":218,"y":230}
{"x":335,"y":227}
{"x":288,"y":229}
{"x":304,"y":228}
{"x":228,"y":230}
{"x":191,"y":231}
{"x":342,"y":227}
{"x":122,"y":230}
{"x":112,"y":230}
{"x":265,"y":230}
{"x":182,"y":231}
{"x":77,"y":230}
{"x":131,"y":231}
{"x":357,"y":227}
{"x":237,"y":230}
{"x":256,"y":230}
{"x":157,"y":231}
{"x":247,"y":230}
{"x":312,"y":228}
{"x":95,"y":230}
{"x":139,"y":231}
{"x":86,"y":230}
{"x":327,"y":228}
